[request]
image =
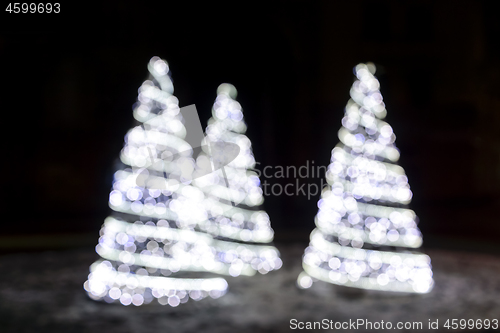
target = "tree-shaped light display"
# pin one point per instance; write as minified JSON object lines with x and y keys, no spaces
{"x":364,"y":233}
{"x":233,"y":193}
{"x":150,"y":245}
{"x":166,"y":237}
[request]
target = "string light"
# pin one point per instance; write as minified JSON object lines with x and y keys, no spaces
{"x":363,"y":232}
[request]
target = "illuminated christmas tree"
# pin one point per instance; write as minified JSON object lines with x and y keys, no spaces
{"x":365,"y":235}
{"x":233,"y":192}
{"x":164,"y":239}
{"x":150,"y":246}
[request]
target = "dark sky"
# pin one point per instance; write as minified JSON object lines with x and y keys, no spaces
{"x":69,"y":82}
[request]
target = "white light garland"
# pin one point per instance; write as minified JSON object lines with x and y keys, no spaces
{"x":105,"y":282}
{"x":361,"y":209}
{"x":242,"y":224}
{"x":198,"y":251}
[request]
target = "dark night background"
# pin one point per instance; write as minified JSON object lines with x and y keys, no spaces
{"x":69,"y":82}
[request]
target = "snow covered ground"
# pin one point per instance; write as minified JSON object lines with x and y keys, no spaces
{"x":42,"y":292}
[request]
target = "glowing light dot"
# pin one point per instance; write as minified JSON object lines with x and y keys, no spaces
{"x":137,"y":299}
{"x":174,"y":300}
{"x":305,"y":282}
{"x":161,"y":67}
{"x":126,"y":299}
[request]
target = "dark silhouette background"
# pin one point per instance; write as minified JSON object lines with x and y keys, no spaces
{"x":69,"y":82}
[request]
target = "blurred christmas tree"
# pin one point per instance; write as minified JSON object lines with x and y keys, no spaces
{"x":150,"y":245}
{"x":364,"y":230}
{"x":233,"y":191}
{"x":166,"y":237}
